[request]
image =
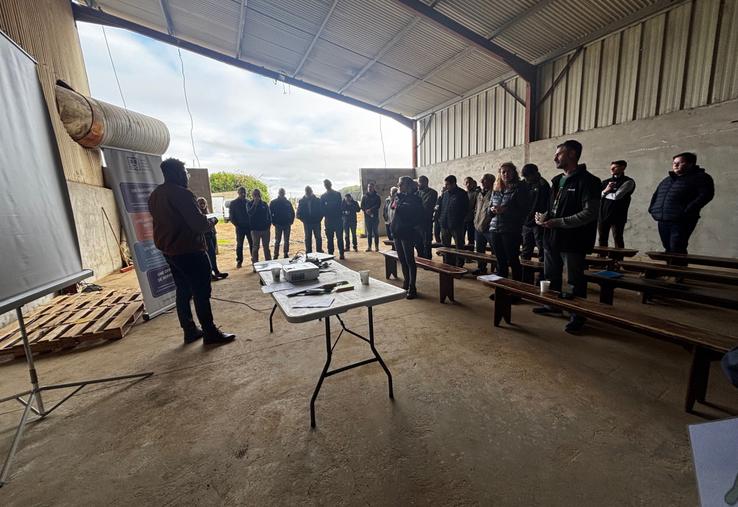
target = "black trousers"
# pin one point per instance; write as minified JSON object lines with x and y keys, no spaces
{"x":334,"y":228}
{"x":388,"y":229}
{"x":457,"y":234}
{"x":532,"y":237}
{"x":349,"y":227}
{"x":553,"y":270}
{"x":312,"y":230}
{"x":242,"y":232}
{"x":372,"y":231}
{"x":425,"y":239}
{"x":210,"y":243}
{"x":480,"y":246}
{"x":675,"y":235}
{"x":470,"y":233}
{"x":507,"y":250}
{"x":191,"y":273}
{"x":617,"y":226}
{"x":406,"y":256}
{"x":437,"y":231}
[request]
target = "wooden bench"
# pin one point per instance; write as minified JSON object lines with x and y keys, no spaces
{"x":652,"y":270}
{"x":650,"y":288}
{"x":391,"y":243}
{"x":616,"y":254}
{"x":685,"y":259}
{"x":530,"y":268}
{"x":446,"y":273}
{"x":706,"y":346}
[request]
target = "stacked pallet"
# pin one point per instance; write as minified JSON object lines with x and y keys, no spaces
{"x":67,"y":321}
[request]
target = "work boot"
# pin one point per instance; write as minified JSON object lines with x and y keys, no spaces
{"x":341,"y":257}
{"x":216,"y":336}
{"x":546,"y":310}
{"x":368,"y":249}
{"x":192,"y":334}
{"x":479,"y":271}
{"x":376,"y":248}
{"x":355,"y":249}
{"x":575,"y":325}
{"x":238,"y":264}
{"x":412,"y":293}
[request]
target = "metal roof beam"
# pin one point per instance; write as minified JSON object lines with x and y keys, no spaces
{"x":241,"y":29}
{"x":523,"y":68}
{"x":315,"y":38}
{"x":88,"y":15}
{"x":167,"y":16}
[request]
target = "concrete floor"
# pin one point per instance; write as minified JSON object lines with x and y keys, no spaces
{"x":523,"y":414}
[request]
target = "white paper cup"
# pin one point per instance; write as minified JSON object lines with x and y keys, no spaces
{"x":545,"y":286}
{"x":364,"y":275}
{"x":276,"y":273}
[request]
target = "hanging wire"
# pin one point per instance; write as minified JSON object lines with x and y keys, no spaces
{"x":187,"y":104}
{"x":115,"y":72}
{"x":381,"y":137}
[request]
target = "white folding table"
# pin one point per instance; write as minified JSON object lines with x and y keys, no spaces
{"x":376,"y":293}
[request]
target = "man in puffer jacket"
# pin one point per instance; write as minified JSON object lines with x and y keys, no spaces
{"x":451,"y":214}
{"x":678,"y":199}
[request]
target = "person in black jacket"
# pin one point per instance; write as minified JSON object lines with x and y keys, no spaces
{"x":370,"y":204}
{"x":238,"y":215}
{"x":616,"y":192}
{"x":429,"y":197}
{"x":540,"y":195}
{"x":407,"y":220}
{"x":261,"y":222}
{"x":310,"y":212}
{"x":570,"y":226}
{"x":283,"y":216}
{"x":349,"y":209}
{"x":678,"y":199}
{"x":509,"y":207}
{"x":331,"y":200}
{"x":451,"y":215}
{"x":210,"y":242}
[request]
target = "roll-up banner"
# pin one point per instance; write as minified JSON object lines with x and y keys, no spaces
{"x":133,"y":176}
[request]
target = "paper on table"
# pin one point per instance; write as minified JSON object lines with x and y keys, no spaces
{"x":266,"y":266}
{"x":489,"y":278}
{"x":277,"y":286}
{"x":312,"y":301}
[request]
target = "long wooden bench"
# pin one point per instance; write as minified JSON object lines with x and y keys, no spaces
{"x":616,"y":254}
{"x":446,"y":273}
{"x":391,"y":243}
{"x":685,"y":259}
{"x":530,"y":268}
{"x":706,"y":346}
{"x":650,"y":288}
{"x":652,"y":270}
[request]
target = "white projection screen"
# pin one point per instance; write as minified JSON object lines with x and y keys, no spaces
{"x":39,"y":251}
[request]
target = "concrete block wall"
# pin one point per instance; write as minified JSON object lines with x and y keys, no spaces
{"x":384,"y":179}
{"x":648,"y":145}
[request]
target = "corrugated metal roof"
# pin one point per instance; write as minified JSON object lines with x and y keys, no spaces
{"x":423,"y":67}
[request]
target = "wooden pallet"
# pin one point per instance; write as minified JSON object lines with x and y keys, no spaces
{"x":67,"y":321}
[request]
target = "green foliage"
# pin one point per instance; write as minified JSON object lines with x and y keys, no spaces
{"x":229,"y":182}
{"x":354,"y":190}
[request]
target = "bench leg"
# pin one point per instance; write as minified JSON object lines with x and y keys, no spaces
{"x":446,"y":286}
{"x":503,"y":306}
{"x":390,"y":267}
{"x":699,"y":374}
{"x":607,"y":293}
{"x":528,"y":275}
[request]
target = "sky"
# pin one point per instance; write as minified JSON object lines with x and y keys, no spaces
{"x":243,"y":122}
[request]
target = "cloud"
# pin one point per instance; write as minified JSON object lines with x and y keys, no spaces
{"x":243,"y":122}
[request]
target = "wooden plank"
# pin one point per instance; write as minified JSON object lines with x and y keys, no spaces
{"x":705,"y":260}
{"x":708,"y":275}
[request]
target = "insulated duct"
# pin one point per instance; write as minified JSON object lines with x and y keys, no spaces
{"x":93,"y":123}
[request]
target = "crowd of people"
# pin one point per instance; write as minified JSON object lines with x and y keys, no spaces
{"x":513,"y":213}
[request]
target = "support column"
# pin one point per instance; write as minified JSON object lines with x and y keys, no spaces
{"x":415,"y":145}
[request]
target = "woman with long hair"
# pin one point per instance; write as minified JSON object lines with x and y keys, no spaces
{"x":210,"y":239}
{"x":509,"y":207}
{"x":408,"y":216}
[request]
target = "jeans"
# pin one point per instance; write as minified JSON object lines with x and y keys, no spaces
{"x":457,"y":234}
{"x":349,"y":227}
{"x":371,"y":225}
{"x":210,"y":244}
{"x":532,"y":237}
{"x":480,"y":246}
{"x":553,"y":269}
{"x":191,"y":273}
{"x":470,"y":233}
{"x":310,"y":231}
{"x":617,"y":232}
{"x":333,"y":228}
{"x":282,"y":231}
{"x":507,"y":250}
{"x":263,"y":237}
{"x":406,"y":256}
{"x":242,"y":232}
{"x":675,"y":235}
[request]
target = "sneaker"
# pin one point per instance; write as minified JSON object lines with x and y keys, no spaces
{"x":546,"y":310}
{"x":222,"y":275}
{"x":575,"y":324}
{"x":238,"y":264}
{"x":217,"y":337}
{"x":192,"y":335}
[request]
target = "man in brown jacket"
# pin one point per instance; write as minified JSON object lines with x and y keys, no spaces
{"x":179,"y":227}
{"x":482,"y":217}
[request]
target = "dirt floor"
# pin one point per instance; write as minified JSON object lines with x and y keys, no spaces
{"x":522,"y":414}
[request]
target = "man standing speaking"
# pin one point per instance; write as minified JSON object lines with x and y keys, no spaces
{"x":179,"y":227}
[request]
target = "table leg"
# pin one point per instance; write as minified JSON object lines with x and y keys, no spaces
{"x":328,"y":353}
{"x":376,"y":354}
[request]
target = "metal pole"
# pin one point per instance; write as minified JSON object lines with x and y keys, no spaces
{"x":31,"y":365}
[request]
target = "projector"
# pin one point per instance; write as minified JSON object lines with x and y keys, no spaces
{"x":301,"y":272}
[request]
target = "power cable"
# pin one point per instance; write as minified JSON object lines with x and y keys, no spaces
{"x":187,"y":104}
{"x":112,"y":63}
{"x":381,"y":138}
{"x":241,"y":303}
